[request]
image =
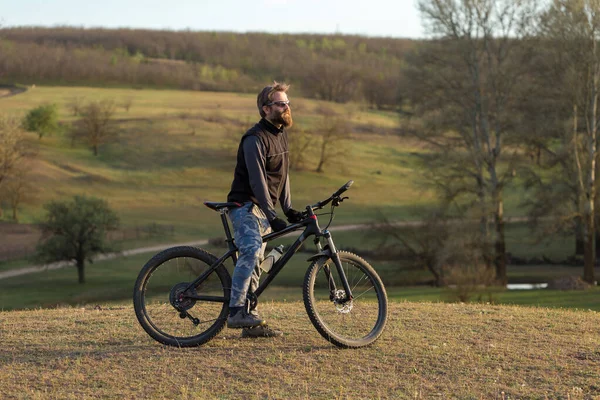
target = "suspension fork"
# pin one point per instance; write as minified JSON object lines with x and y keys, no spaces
{"x":340,"y":269}
{"x":327,"y":270}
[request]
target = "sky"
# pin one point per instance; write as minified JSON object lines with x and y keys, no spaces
{"x":387,"y":18}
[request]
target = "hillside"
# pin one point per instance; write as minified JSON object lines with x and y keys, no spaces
{"x":177,"y":149}
{"x":330,"y":67}
{"x":428,"y":350}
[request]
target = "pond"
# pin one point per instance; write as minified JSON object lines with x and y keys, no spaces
{"x":526,"y":286}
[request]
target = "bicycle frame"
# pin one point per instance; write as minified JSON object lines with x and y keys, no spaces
{"x":311,"y":228}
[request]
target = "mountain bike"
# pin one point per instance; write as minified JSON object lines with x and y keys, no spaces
{"x":181,"y":296}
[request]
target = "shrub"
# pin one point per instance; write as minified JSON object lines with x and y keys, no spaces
{"x":42,"y":119}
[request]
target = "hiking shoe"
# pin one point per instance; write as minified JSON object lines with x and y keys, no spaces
{"x":244,"y":320}
{"x":260,"y":331}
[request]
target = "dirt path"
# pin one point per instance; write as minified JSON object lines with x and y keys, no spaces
{"x":108,"y":256}
{"x":142,"y":250}
{"x":10,"y":90}
{"x":157,"y":248}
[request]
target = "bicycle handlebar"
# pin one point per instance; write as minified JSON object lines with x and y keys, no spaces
{"x":337,"y":194}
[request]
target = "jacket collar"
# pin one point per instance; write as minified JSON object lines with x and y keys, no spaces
{"x":269,"y":127}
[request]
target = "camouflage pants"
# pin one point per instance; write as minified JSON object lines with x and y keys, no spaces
{"x":249,"y":225}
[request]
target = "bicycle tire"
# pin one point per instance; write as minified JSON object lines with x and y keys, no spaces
{"x":169,"y":272}
{"x":341,"y":323}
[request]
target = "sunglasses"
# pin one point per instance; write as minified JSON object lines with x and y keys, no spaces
{"x":279,"y":104}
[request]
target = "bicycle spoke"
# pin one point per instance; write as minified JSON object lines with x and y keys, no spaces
{"x":171,"y":311}
{"x":353,"y":322}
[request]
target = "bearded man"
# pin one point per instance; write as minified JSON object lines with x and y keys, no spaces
{"x":260,"y":181}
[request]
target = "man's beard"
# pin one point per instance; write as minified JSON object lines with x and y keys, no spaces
{"x":284,"y":118}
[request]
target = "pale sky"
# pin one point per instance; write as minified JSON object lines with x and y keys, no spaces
{"x":389,"y":18}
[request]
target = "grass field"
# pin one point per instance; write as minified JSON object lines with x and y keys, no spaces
{"x":176,"y":149}
{"x":427,"y":351}
{"x":111,"y":282}
{"x":159,"y":172}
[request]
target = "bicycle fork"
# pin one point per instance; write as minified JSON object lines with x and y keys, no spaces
{"x":340,"y":269}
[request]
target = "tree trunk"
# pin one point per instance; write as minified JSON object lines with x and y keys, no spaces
{"x":579,"y":237}
{"x":322,"y":158}
{"x":438,"y":279}
{"x":500,"y":259}
{"x":95,"y":149}
{"x":81,"y":270}
{"x":589,"y":256}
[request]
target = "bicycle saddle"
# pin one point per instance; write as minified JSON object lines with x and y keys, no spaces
{"x":219,"y":206}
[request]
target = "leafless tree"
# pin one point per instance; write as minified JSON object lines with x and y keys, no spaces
{"x":571,"y":31}
{"x":13,"y":148}
{"x":96,"y":125}
{"x":17,"y":189}
{"x":333,"y":81}
{"x":75,"y":104}
{"x":331,"y":133}
{"x":127,"y":103}
{"x":300,"y":141}
{"x":423,"y":242}
{"x":464,"y":86}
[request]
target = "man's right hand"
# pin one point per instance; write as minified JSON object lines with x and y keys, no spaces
{"x":277,"y":224}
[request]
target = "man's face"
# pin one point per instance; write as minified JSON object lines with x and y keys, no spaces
{"x":278,"y":112}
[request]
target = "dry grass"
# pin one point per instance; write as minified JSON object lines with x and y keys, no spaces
{"x":428,"y":351}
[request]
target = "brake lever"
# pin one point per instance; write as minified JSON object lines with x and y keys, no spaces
{"x":338,"y":200}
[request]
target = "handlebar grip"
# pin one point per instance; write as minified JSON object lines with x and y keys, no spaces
{"x":343,"y":189}
{"x":323,"y":203}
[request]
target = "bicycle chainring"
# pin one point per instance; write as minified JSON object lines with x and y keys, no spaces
{"x":177,"y":298}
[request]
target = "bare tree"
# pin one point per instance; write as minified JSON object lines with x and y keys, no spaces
{"x":332,"y":131}
{"x":12,"y":146}
{"x":127,"y":103}
{"x":333,"y":81}
{"x":96,"y":125}
{"x":299,"y":143}
{"x":17,"y":189}
{"x":423,"y":242}
{"x":571,"y":30}
{"x":464,"y":85}
{"x":75,"y":104}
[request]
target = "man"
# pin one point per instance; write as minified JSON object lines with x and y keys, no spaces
{"x":260,"y":181}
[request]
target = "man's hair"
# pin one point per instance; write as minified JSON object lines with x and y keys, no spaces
{"x":266,"y":95}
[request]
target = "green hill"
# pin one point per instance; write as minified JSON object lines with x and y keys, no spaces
{"x":177,"y":149}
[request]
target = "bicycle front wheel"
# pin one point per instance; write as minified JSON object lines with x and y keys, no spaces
{"x":169,"y":310}
{"x":354,"y":323}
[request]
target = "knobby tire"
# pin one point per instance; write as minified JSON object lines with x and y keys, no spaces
{"x":353,"y":324}
{"x":155,"y":287}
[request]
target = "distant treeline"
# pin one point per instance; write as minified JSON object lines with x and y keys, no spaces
{"x":329,"y":67}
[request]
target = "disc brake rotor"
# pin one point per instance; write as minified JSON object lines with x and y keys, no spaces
{"x":343,"y":307}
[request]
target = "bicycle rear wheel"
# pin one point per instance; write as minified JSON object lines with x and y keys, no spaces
{"x":354,"y":323}
{"x":173,"y":315}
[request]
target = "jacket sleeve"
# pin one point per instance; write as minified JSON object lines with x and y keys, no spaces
{"x":256,"y":160}
{"x":285,"y":199}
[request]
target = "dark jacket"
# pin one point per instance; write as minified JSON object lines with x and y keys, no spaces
{"x":261,"y":173}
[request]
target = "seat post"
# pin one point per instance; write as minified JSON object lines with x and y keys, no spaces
{"x":229,"y":239}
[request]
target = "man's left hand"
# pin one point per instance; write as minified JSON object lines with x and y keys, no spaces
{"x":294,"y":216}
